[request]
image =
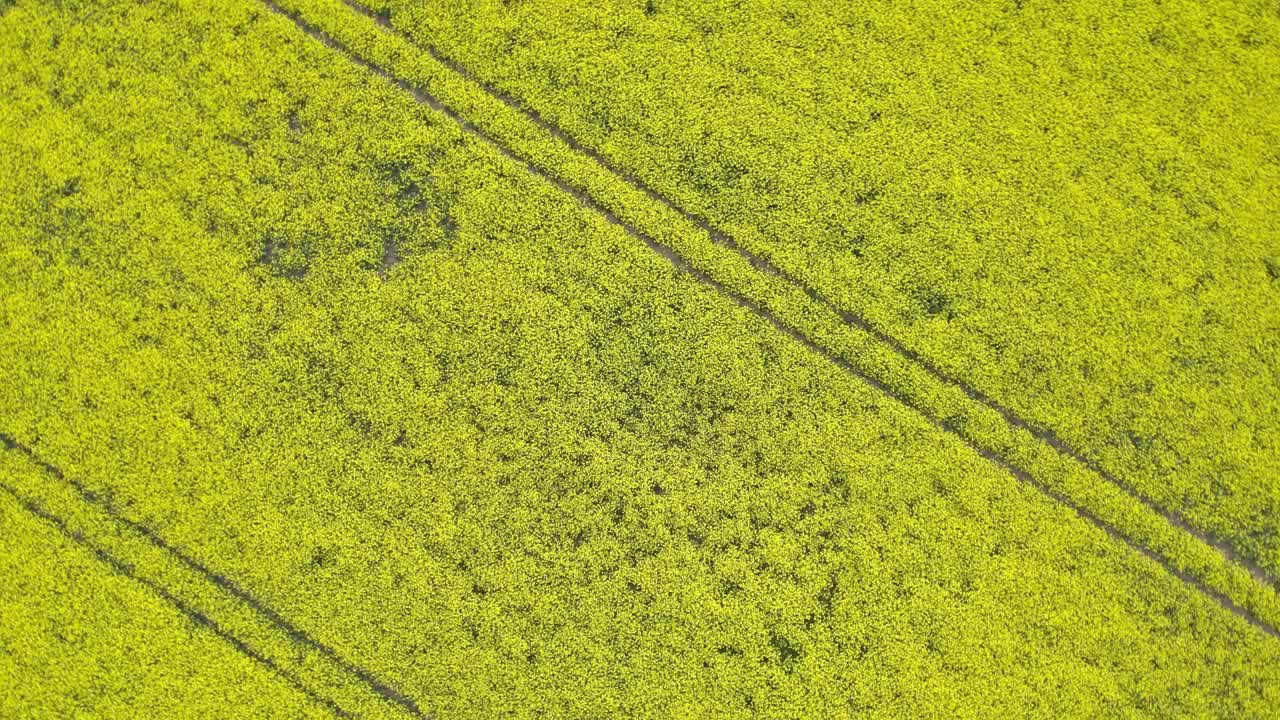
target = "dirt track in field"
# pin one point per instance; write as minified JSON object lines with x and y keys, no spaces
{"x":294,"y":633}
{"x":851,"y":318}
{"x":764,"y":265}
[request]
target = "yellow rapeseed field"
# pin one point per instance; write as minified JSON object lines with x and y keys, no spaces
{"x":644,"y":359}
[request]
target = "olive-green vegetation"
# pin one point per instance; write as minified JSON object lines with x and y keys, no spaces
{"x":486,"y":446}
{"x":1072,"y":207}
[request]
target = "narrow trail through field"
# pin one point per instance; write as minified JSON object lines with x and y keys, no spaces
{"x":850,"y":317}
{"x":123,"y":568}
{"x":295,"y":634}
{"x":683,"y":264}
